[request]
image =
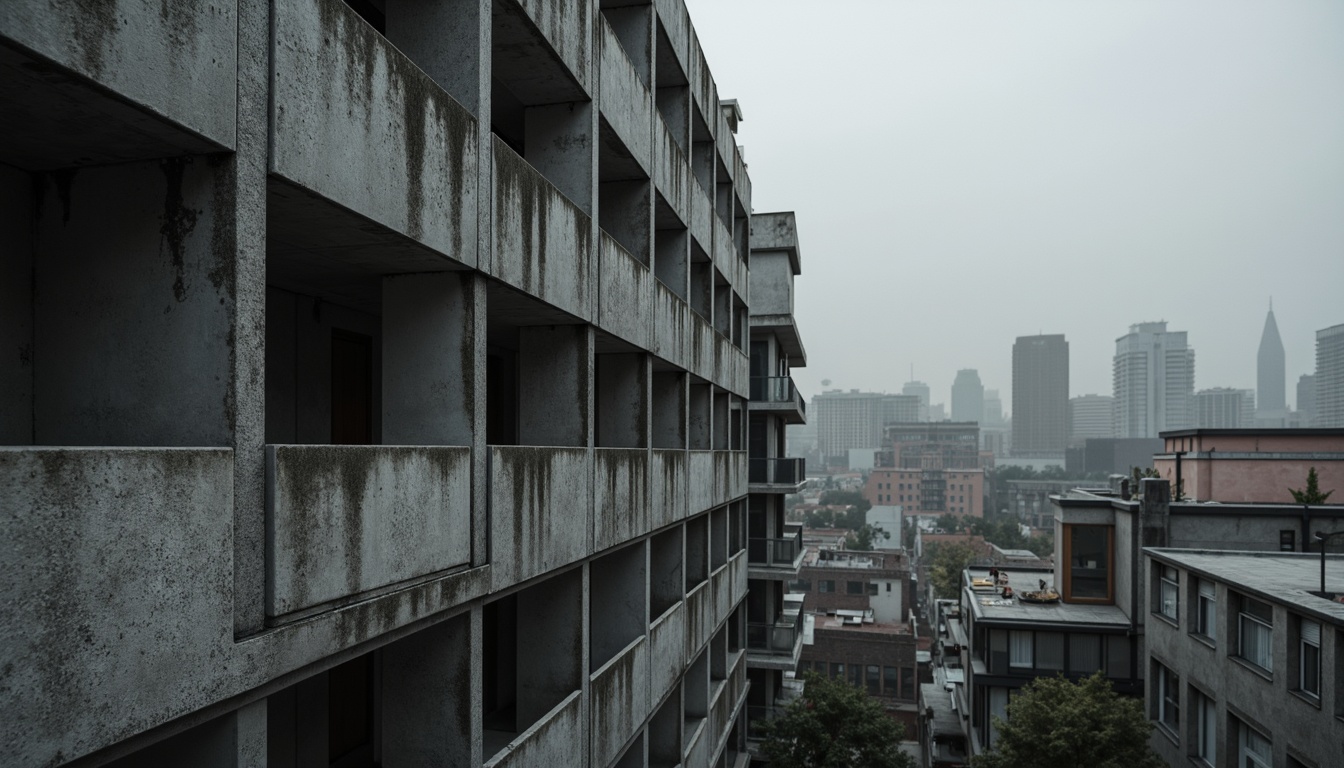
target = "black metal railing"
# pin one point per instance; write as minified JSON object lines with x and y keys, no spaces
{"x":776,"y":389}
{"x":775,"y":552}
{"x":781,"y":637}
{"x":776,"y":471}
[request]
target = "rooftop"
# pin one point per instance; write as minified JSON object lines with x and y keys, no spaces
{"x":1288,"y":578}
{"x":987,"y":604}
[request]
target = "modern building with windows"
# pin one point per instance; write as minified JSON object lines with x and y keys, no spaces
{"x":1091,"y":416}
{"x":968,"y":396}
{"x":383,"y":387}
{"x":1329,"y":377}
{"x":1154,"y":380}
{"x":1245,"y":658}
{"x":1040,"y":396}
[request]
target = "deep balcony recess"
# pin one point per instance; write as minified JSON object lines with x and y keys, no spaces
{"x":776,"y":553}
{"x":776,"y":394}
{"x":778,"y":638}
{"x":776,"y":475}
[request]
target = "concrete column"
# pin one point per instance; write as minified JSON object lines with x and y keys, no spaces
{"x":669,"y":409}
{"x":480,"y":509}
{"x":561,"y":143}
{"x":622,"y":400}
{"x":701,"y":424}
{"x":553,"y":385}
{"x":427,"y":719}
{"x":429,"y":359}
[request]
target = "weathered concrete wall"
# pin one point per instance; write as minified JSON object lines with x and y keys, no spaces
{"x":704,"y":350}
{"x":697,"y":752}
{"x":703,"y":92}
{"x":116,"y":593}
{"x":668,"y":483}
{"x":730,"y":474}
{"x":426,"y":710}
{"x":625,"y":304}
{"x":619,"y":693}
{"x":567,"y":26}
{"x":621,"y":508}
{"x":703,"y":484}
{"x":16,"y":308}
{"x":671,"y":173}
{"x":699,"y":617}
{"x":622,"y":400}
{"x":343,"y":520}
{"x":554,"y":740}
{"x":669,"y":409}
{"x":676,"y":22}
{"x":543,"y":242}
{"x":133,"y":316}
{"x":702,"y":214}
{"x":725,"y":254}
{"x":667,"y":651}
{"x":631,"y":116}
{"x":539,"y":510}
{"x":671,"y":331}
{"x":160,"y":57}
{"x":771,"y":283}
{"x":554,"y":381}
{"x":721,"y":582}
{"x":428,"y":359}
{"x":355,"y":119}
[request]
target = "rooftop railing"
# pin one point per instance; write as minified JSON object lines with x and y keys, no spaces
{"x":776,"y":471}
{"x":776,"y":389}
{"x":780,"y":637}
{"x":775,"y":552}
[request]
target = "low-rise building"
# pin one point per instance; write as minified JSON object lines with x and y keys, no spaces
{"x":1245,"y":658}
{"x":1251,"y":465}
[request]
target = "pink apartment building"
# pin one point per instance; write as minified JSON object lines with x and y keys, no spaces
{"x":1252,"y":465}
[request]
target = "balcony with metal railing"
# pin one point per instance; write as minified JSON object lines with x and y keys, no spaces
{"x":777,"y":395}
{"x":775,"y":558}
{"x":777,"y":644}
{"x":786,"y":475}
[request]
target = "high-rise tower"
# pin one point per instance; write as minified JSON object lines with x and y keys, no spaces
{"x":1154,"y":375}
{"x":1330,"y":377}
{"x":1040,"y":396}
{"x":968,"y":396}
{"x":1270,"y":377}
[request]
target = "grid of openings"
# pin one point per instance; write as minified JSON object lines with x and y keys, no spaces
{"x":1206,"y":609}
{"x":1255,"y":633}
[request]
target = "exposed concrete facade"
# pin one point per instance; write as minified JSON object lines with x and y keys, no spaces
{"x":374,"y":386}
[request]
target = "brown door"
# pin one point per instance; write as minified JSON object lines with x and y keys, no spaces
{"x":351,"y":388}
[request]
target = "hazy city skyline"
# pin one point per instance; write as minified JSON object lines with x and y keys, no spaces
{"x":986,"y":171}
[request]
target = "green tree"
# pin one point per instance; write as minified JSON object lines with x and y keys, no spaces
{"x":1312,"y":493}
{"x":1055,"y":723}
{"x":949,"y":560}
{"x":862,"y":539}
{"x":834,"y":725}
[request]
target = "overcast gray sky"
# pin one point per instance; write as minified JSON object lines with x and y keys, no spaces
{"x":968,"y":172}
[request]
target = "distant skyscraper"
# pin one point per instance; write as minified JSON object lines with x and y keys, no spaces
{"x":1330,"y":377}
{"x":1040,"y":396}
{"x":1270,"y":376}
{"x":922,"y":390}
{"x":1306,"y":399}
{"x":1154,"y":376}
{"x":1092,"y":416}
{"x":968,"y":396}
{"x":855,"y":419}
{"x":1225,"y":408}
{"x":993,"y":408}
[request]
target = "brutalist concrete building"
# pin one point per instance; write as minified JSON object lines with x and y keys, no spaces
{"x":374,"y":385}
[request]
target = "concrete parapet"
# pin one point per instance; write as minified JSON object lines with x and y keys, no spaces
{"x":722,"y":583}
{"x":697,"y":747}
{"x":543,"y":240}
{"x":632,"y":119}
{"x":625,"y":299}
{"x":554,"y":740}
{"x":345,"y":520}
{"x":540,"y":506}
{"x":671,"y":173}
{"x":619,"y":696}
{"x":567,"y":27}
{"x":699,"y":617}
{"x":668,"y":482}
{"x":356,"y":122}
{"x":676,"y":22}
{"x":667,"y":651}
{"x":702,"y":483}
{"x":671,"y":320}
{"x":702,"y":216}
{"x":621,"y":509}
{"x":118,"y":564}
{"x":703,"y":91}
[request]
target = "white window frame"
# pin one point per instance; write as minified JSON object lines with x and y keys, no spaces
{"x":1206,"y":607}
{"x":1254,"y":749}
{"x":1309,"y":642}
{"x":1169,"y":593}
{"x":1260,"y":634}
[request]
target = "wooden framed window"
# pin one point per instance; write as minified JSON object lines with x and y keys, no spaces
{"x":1089,"y":573}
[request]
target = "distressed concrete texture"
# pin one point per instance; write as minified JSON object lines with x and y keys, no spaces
{"x":625,"y":298}
{"x":702,"y":214}
{"x":671,"y":174}
{"x":697,"y":751}
{"x":175,"y":61}
{"x":543,"y":241}
{"x":540,"y":507}
{"x":356,"y":122}
{"x":619,"y":694}
{"x":344,"y":519}
{"x":567,"y":26}
{"x":706,"y":354}
{"x":554,"y":740}
{"x":702,"y":482}
{"x":721,"y":584}
{"x":771,"y":282}
{"x":730,"y":474}
{"x":621,"y":508}
{"x":668,"y":481}
{"x":632,"y":117}
{"x":667,"y":651}
{"x":676,"y":23}
{"x":115,"y":593}
{"x":699,"y":617}
{"x":671,"y":332}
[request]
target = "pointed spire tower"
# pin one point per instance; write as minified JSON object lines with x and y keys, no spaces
{"x":1269,"y":380}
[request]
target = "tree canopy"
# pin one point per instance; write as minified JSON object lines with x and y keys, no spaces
{"x":1055,"y":723}
{"x":1312,"y":493}
{"x":834,"y":725}
{"x":949,"y":559}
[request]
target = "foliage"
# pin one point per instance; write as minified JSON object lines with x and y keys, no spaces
{"x":1005,"y":532}
{"x":854,"y":518}
{"x":1055,"y":723}
{"x":1312,"y":493}
{"x":949,"y":522}
{"x":834,"y":725}
{"x":862,"y":539}
{"x":949,"y":560}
